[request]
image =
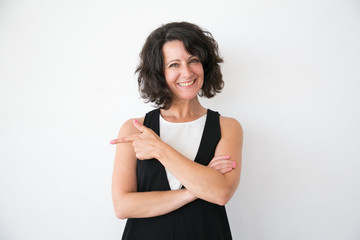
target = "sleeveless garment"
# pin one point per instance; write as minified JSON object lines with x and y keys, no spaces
{"x":197,"y":220}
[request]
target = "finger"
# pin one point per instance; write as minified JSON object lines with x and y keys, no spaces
{"x":216,"y":159}
{"x":223,"y":163}
{"x":124,"y":139}
{"x":226,"y":170}
{"x":222,"y":157}
{"x":222,"y":166}
{"x":139,"y":126}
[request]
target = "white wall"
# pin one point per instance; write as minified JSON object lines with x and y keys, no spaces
{"x":292,"y":79}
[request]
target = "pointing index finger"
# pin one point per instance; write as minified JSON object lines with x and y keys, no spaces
{"x":123,"y":139}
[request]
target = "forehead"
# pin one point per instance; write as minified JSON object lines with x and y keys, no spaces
{"x":175,"y":50}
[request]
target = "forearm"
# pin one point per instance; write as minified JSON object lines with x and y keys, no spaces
{"x":204,"y":182}
{"x":150,"y":204}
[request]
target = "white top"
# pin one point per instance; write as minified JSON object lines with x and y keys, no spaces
{"x":184,"y":138}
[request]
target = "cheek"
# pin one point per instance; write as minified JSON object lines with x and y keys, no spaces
{"x":199,"y":70}
{"x":170,"y":76}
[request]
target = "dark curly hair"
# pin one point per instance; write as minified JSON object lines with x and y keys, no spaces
{"x":198,"y":42}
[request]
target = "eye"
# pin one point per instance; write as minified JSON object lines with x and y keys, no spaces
{"x":194,"y":60}
{"x":173,"y":65}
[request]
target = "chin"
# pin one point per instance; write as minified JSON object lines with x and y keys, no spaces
{"x":187,"y":96}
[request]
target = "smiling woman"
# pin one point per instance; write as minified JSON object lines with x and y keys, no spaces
{"x":175,"y":185}
{"x":197,"y":43}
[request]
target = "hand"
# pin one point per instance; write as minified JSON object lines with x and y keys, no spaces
{"x":222,"y":164}
{"x":146,"y":143}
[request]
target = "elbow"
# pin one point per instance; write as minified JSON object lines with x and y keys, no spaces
{"x":223,"y":198}
{"x":121,"y":207}
{"x":120,"y":214}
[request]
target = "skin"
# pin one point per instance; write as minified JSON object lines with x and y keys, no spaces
{"x":215,"y":183}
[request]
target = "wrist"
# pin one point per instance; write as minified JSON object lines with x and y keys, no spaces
{"x":189,"y":196}
{"x":161,"y":149}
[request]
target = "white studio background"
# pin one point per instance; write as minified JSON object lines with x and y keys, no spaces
{"x":292,"y":79}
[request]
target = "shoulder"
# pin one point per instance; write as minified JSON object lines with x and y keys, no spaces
{"x":231,"y":126}
{"x":128,"y":127}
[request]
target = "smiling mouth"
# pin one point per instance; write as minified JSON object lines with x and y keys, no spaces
{"x":186,"y":84}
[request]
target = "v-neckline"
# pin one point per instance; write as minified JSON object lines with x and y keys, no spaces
{"x":197,"y":153}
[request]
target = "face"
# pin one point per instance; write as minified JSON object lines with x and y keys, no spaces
{"x":184,"y":72}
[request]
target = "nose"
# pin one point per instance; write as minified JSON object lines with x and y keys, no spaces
{"x":186,"y":71}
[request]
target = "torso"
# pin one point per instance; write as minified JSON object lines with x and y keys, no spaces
{"x":198,"y":220}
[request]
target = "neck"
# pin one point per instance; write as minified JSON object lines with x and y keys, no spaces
{"x":184,"y":111}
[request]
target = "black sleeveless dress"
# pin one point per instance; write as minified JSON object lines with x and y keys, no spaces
{"x":198,"y":220}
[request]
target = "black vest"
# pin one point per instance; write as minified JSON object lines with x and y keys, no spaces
{"x":198,"y":220}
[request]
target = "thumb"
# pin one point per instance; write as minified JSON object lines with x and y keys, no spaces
{"x":139,"y":126}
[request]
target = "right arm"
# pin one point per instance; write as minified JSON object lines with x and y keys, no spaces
{"x":128,"y":203}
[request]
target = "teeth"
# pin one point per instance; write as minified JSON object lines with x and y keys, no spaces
{"x":186,"y":83}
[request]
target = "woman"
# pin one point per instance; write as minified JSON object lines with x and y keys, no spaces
{"x":178,"y":166}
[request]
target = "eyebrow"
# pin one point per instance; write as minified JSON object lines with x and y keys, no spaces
{"x":175,"y":60}
{"x":178,"y":60}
